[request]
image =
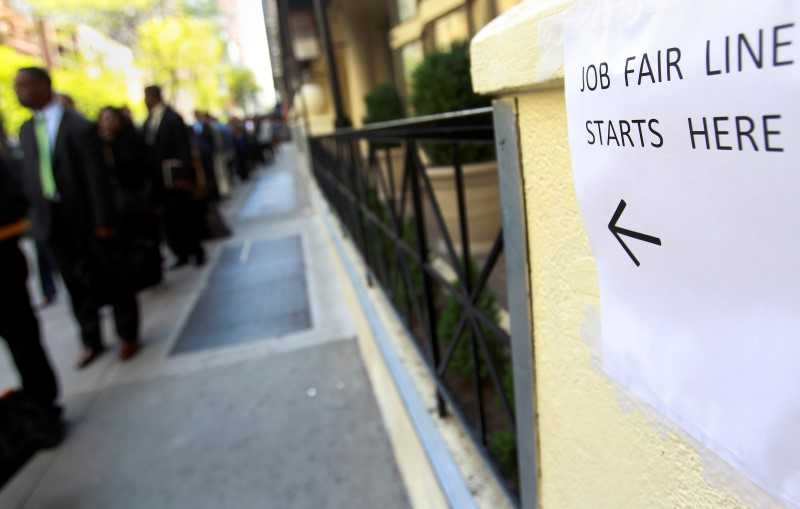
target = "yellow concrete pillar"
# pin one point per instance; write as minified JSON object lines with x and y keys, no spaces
{"x":597,"y":446}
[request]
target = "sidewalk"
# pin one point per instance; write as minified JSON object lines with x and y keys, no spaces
{"x":249,"y":392}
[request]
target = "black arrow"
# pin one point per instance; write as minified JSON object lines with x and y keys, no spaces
{"x":617,"y":231}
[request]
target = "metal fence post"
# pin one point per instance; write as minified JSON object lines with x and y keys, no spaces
{"x":415,"y":166}
{"x":519,"y":297}
{"x":349,"y":181}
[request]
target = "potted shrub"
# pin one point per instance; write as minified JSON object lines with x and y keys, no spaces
{"x":383,"y":105}
{"x":442,"y":84}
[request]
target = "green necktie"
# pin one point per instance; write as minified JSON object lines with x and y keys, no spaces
{"x":45,"y":163}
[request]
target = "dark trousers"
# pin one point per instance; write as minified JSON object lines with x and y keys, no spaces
{"x":19,"y":328}
{"x":75,"y":262}
{"x":242,"y":164}
{"x":45,"y":265}
{"x":183,"y":224}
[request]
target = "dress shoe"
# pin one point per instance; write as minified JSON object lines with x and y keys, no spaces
{"x":129,"y":349}
{"x":88,"y":356}
{"x":180,"y":262}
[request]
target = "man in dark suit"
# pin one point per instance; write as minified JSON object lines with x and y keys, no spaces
{"x":71,"y":206}
{"x":167,"y":139}
{"x":18,"y":325}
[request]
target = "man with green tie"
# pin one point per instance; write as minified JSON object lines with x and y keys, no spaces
{"x":71,"y":206}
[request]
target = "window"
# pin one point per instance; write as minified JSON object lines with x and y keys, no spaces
{"x":504,"y":5}
{"x":406,"y":9}
{"x":482,"y":14}
{"x":411,"y":56}
{"x":450,"y":28}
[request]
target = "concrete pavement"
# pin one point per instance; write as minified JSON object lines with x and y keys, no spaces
{"x":249,"y":392}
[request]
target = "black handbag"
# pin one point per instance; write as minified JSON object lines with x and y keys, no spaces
{"x":138,"y":264}
{"x":122,"y":265}
{"x":135,"y":200}
{"x":126,"y":200}
{"x":215,"y":225}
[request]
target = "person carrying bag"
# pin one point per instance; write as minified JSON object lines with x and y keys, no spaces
{"x":132,"y":261}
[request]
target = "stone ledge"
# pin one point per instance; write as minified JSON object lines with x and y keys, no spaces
{"x":520,"y":49}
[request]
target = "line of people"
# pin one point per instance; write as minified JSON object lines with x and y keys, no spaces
{"x":99,"y":196}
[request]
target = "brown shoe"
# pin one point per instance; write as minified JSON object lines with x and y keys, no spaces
{"x":128,"y":350}
{"x":88,"y":356}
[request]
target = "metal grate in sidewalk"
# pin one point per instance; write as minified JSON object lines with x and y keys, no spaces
{"x":274,"y":193}
{"x":257,"y":290}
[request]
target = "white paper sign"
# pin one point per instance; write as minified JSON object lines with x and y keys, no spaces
{"x":684,"y":127}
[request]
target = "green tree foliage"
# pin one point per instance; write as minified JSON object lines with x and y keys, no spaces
{"x":69,"y":8}
{"x":178,"y":44}
{"x":182,"y":52}
{"x":13,"y":115}
{"x":117,"y":19}
{"x":92,"y":88}
{"x":205,"y":9}
{"x":242,"y":87}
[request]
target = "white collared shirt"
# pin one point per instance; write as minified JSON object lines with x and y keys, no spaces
{"x":52,"y":113}
{"x":156,"y":114}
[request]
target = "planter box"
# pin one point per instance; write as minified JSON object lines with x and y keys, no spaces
{"x":484,"y":212}
{"x":397,"y":156}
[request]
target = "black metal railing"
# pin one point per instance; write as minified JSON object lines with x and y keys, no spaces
{"x":418,"y":234}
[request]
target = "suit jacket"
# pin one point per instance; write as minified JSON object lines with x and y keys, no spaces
{"x":12,"y":202}
{"x":84,"y":192}
{"x":172,"y":142}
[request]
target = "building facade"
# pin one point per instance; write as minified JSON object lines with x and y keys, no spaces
{"x":369,"y":43}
